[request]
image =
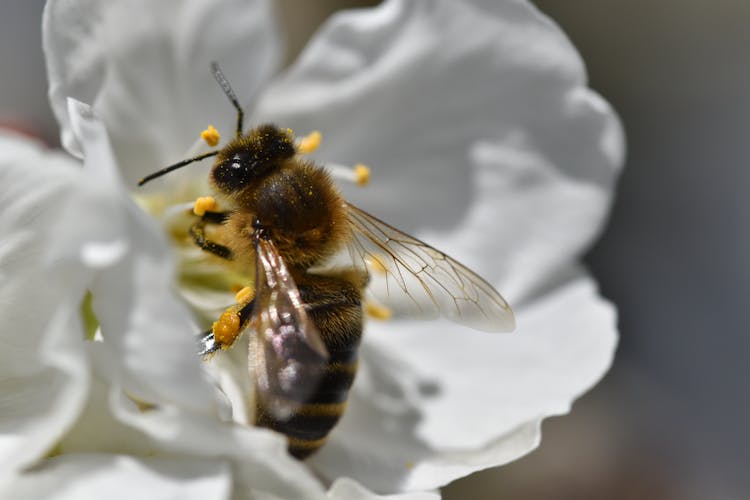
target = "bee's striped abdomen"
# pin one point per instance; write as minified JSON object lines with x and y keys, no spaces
{"x":308,"y":428}
{"x":334,"y":305}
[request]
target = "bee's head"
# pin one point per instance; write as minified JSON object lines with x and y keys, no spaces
{"x":251,"y":156}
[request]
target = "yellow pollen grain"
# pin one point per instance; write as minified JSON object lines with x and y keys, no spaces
{"x":245,"y":295}
{"x":227,"y":328}
{"x":378,"y":311}
{"x":204,"y":204}
{"x":310,"y":142}
{"x":211,"y":136}
{"x":361,"y":174}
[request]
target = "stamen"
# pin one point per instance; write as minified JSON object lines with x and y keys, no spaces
{"x":211,"y":136}
{"x":359,"y":174}
{"x":245,"y":295}
{"x":204,"y":204}
{"x":309,"y":143}
{"x":227,"y":327}
{"x":377,"y":311}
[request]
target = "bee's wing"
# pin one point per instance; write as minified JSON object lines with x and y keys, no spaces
{"x":405,"y":269}
{"x":288,"y":356}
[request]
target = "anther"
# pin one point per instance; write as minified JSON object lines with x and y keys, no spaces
{"x":204,"y":204}
{"x":211,"y":136}
{"x":361,"y":174}
{"x":376,"y":264}
{"x":377,"y":311}
{"x":309,"y":143}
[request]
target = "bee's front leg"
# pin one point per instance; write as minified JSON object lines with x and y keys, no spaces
{"x":197,"y":231}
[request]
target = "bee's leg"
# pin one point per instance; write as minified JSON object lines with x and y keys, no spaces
{"x":226,"y":329}
{"x":207,"y":343}
{"x":210,"y":217}
{"x":199,"y":236}
{"x":205,"y":207}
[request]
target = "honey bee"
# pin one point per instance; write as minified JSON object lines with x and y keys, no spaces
{"x":288,"y":219}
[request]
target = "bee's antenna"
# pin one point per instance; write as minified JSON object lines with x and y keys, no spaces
{"x":177,"y":165}
{"x":219,"y":76}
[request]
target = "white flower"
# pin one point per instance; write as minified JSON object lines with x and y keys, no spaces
{"x":66,"y":231}
{"x":485,"y":142}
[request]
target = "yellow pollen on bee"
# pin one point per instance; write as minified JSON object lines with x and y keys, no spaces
{"x":227,"y":327}
{"x":310,"y":142}
{"x":378,"y":311}
{"x":211,"y":136}
{"x":204,"y":204}
{"x":361,"y":174}
{"x":245,"y":295}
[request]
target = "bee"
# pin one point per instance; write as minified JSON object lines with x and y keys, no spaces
{"x":289,"y":221}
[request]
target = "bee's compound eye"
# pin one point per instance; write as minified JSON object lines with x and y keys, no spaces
{"x":234,"y":172}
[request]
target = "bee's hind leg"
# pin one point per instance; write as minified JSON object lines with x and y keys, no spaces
{"x":207,"y":343}
{"x":227,"y":328}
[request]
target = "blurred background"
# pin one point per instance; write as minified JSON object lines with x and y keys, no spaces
{"x":670,"y":419}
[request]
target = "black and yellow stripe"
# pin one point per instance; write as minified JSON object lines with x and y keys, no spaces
{"x":308,"y":427}
{"x":334,"y":305}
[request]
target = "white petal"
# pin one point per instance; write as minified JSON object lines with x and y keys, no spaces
{"x":147,"y":330}
{"x":494,"y":148}
{"x":433,"y":404}
{"x":145,"y":67}
{"x":260,"y":461}
{"x":113,"y":423}
{"x":98,"y":476}
{"x":97,"y":429}
{"x":347,"y":489}
{"x":43,"y":371}
{"x":456,"y":106}
{"x":148,"y":354}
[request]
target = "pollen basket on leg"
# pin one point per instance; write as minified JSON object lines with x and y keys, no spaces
{"x":227,"y":327}
{"x":245,"y":295}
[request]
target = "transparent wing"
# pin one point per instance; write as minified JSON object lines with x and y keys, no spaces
{"x":288,"y":356}
{"x":405,"y":270}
